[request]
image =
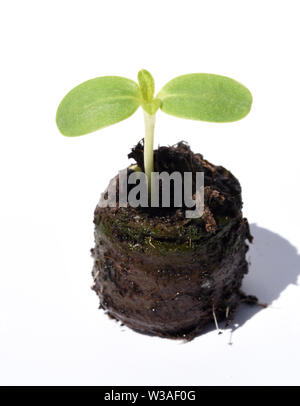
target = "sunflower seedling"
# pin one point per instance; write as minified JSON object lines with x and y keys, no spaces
{"x":100,"y":102}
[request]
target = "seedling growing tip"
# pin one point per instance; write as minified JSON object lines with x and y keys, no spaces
{"x":106,"y":100}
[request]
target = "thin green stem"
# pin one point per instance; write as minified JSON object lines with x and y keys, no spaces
{"x":148,"y":146}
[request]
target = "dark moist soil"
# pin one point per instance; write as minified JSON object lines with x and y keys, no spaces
{"x":163,"y":274}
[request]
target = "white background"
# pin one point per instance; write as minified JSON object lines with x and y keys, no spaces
{"x":51,"y":331}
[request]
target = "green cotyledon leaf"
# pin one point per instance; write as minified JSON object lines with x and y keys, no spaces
{"x":205,"y":97}
{"x":97,"y":103}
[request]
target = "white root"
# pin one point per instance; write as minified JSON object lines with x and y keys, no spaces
{"x":216,"y":321}
{"x":150,"y":242}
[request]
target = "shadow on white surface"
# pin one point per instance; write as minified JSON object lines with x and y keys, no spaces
{"x":274,"y":265}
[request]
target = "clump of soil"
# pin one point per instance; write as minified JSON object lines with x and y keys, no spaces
{"x":222,"y":189}
{"x":163,"y":274}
